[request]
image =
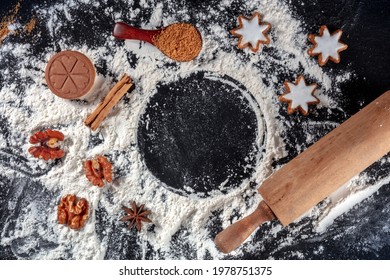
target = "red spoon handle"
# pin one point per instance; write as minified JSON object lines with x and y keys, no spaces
{"x":124,"y":31}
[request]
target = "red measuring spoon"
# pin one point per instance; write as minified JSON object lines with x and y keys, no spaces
{"x":124,"y":31}
{"x":179,"y":41}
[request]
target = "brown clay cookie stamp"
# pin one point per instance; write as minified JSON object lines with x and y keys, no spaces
{"x":327,"y":46}
{"x":299,"y":96}
{"x":70,"y":74}
{"x":251,"y":32}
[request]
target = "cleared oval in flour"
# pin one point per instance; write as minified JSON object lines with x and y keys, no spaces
{"x":200,"y":135}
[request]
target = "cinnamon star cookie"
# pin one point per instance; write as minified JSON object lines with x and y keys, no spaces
{"x":299,"y":96}
{"x":252,"y":32}
{"x":327,"y":46}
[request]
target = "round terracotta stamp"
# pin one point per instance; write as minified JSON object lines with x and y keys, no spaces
{"x":70,"y":74}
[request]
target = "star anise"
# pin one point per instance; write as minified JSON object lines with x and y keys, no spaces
{"x":136,"y":215}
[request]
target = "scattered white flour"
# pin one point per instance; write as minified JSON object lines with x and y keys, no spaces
{"x":118,"y":132}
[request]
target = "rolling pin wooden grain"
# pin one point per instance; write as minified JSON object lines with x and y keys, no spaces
{"x":317,"y":172}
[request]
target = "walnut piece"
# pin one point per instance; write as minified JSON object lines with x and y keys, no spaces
{"x":73,"y":212}
{"x":49,"y":144}
{"x":97,"y":170}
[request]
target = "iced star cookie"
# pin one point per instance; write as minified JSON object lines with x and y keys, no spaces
{"x":299,"y":96}
{"x":327,"y":46}
{"x":251,"y":32}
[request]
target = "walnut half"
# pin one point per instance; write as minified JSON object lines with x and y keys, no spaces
{"x":97,"y":170}
{"x":72,"y":211}
{"x":49,"y":144}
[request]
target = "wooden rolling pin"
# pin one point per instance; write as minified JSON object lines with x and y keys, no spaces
{"x":317,"y":172}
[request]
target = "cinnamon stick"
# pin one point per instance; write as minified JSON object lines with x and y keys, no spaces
{"x":112,"y":98}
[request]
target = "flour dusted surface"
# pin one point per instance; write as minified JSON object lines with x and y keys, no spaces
{"x":183,"y":226}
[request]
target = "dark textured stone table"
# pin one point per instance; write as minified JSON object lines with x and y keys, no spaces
{"x":358,"y":234}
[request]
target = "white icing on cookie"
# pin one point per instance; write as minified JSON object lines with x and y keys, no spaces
{"x":327,"y":45}
{"x":252,"y":32}
{"x":299,"y":96}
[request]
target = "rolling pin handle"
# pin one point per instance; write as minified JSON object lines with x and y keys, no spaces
{"x":235,"y":234}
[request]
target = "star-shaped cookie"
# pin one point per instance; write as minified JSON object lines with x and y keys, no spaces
{"x":299,"y":96}
{"x":327,"y":46}
{"x":251,"y":32}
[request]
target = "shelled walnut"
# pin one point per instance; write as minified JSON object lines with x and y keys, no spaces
{"x":97,"y":170}
{"x":49,"y":144}
{"x":73,"y":212}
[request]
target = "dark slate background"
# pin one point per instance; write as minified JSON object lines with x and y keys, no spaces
{"x":358,"y":234}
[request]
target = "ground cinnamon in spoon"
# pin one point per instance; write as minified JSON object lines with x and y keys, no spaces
{"x":179,"y":41}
